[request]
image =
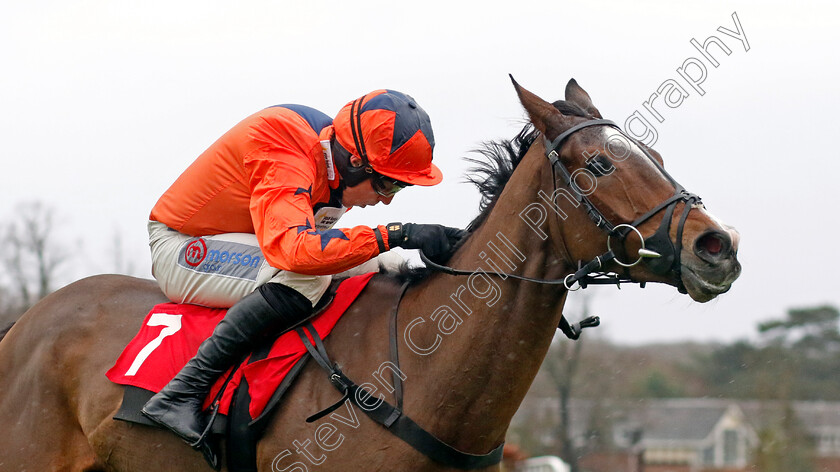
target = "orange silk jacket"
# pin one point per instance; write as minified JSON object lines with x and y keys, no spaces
{"x":268,"y":176}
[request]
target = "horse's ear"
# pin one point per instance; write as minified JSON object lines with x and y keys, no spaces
{"x":543,"y":115}
{"x":578,"y":96}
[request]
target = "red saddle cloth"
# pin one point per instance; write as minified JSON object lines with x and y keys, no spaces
{"x":171,"y":334}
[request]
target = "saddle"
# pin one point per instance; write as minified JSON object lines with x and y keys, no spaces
{"x":242,"y":400}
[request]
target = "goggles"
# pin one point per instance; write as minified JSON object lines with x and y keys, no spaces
{"x":386,"y":186}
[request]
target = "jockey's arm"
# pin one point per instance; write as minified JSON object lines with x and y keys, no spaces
{"x":281,"y":209}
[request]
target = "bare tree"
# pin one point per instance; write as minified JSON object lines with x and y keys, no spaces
{"x":120,"y":264}
{"x":9,"y":309}
{"x":32,"y":258}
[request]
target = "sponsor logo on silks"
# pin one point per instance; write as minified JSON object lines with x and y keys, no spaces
{"x":326,"y":217}
{"x":225,"y":258}
{"x":326,"y":149}
{"x":194,"y":252}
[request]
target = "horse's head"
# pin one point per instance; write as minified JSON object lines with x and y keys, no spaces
{"x":614,"y":194}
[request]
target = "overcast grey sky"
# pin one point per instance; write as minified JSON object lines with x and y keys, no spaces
{"x":104,"y":103}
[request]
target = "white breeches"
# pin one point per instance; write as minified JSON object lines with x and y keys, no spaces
{"x":217,"y":271}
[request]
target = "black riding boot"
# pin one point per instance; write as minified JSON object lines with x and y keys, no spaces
{"x":270,"y":310}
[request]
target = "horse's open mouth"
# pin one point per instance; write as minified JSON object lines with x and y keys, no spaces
{"x":699,"y":288}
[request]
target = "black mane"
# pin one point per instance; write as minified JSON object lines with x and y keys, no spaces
{"x":500,"y":158}
{"x":492,"y":172}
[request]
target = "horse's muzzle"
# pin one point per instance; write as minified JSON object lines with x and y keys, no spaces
{"x":712,"y":265}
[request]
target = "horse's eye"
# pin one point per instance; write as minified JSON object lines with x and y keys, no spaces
{"x":600,"y":166}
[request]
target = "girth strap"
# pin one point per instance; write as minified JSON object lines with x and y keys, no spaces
{"x":387,"y":415}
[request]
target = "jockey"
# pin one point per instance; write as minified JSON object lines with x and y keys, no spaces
{"x":249,"y":226}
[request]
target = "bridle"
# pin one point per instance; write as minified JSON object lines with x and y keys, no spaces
{"x":660,"y":254}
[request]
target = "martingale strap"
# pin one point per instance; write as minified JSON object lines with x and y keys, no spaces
{"x":387,"y":415}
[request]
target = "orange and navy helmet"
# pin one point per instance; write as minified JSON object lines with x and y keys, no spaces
{"x":391,"y":134}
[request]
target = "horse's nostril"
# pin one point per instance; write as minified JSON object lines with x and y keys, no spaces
{"x":712,"y":244}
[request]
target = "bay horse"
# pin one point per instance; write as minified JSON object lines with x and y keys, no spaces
{"x":469,"y":346}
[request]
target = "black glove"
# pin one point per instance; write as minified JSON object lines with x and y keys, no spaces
{"x":436,"y":241}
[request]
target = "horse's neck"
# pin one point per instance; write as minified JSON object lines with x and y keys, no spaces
{"x":479,"y":372}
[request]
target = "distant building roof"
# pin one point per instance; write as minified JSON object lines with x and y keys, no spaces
{"x":681,"y":419}
{"x":813,"y":416}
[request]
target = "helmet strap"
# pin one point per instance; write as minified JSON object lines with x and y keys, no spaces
{"x":356,"y":129}
{"x":350,"y":175}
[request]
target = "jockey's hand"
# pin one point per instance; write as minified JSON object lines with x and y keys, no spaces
{"x":436,"y":241}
